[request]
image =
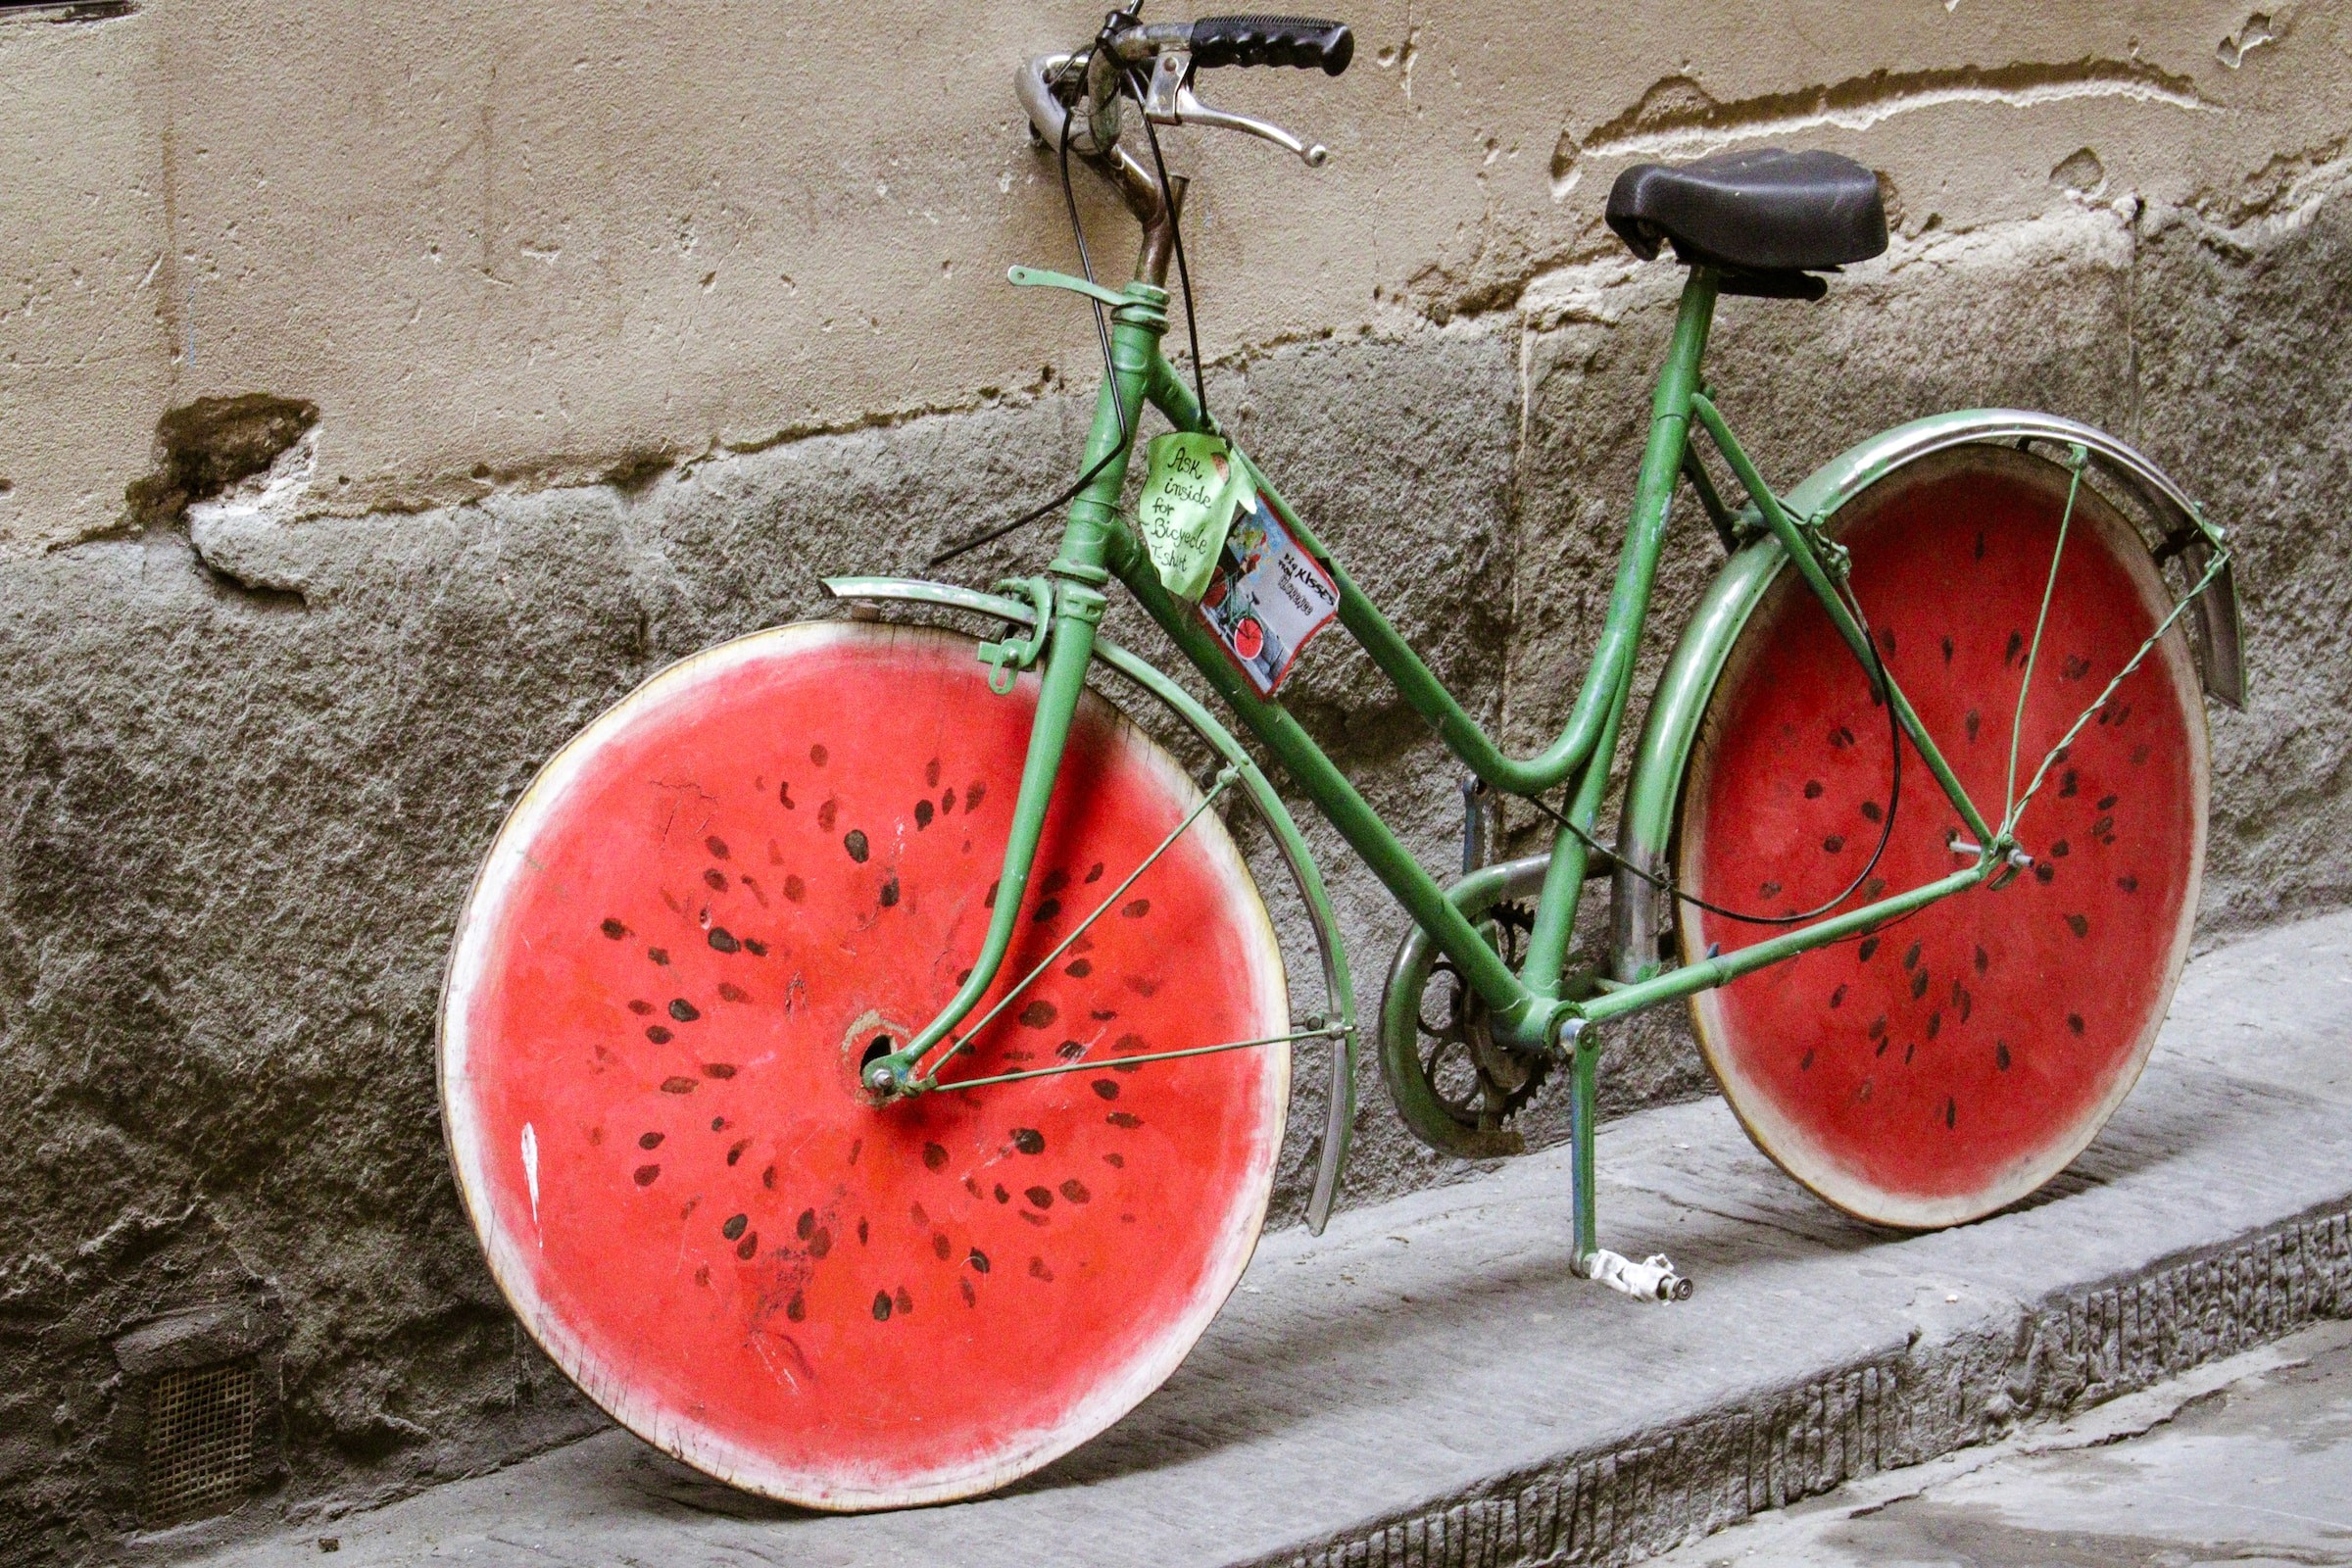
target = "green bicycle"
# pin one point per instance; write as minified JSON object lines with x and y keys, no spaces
{"x":864,"y":1052}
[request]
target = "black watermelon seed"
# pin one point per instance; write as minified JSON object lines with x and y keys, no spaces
{"x":677,"y":1086}
{"x":1870,"y":944}
{"x":646,"y":1174}
{"x":827,"y":815}
{"x":1951,"y":1111}
{"x":2107,"y":802}
{"x":1874,"y":887}
{"x":931,"y":774}
{"x":1046,"y":910}
{"x":1837,"y":997}
{"x":658,"y":955}
{"x":1107,"y":1089}
{"x":1934,"y":1023}
{"x":1038,"y":1270}
{"x":2102,"y":827}
{"x":1947,"y":650}
{"x":767,"y":1178}
{"x":1911,"y":956}
{"x":1983,"y":961}
{"x":862,"y":1231}
{"x":1120,"y":1118}
{"x":718,"y":1124}
{"x":854,"y":841}
{"x":1080,"y":969}
{"x":1116,"y":1161}
{"x":821,"y":1243}
{"x":1056,"y":880}
{"x":1919,"y":985}
{"x":990,"y":901}
{"x":735,"y":1151}
{"x":1870,"y":811}
{"x":1806,"y":1064}
{"x":752,"y":946}
{"x":1832,"y":844}
{"x":2074,"y":667}
{"x":1769,"y":890}
{"x":1039,"y":1013}
{"x":649,"y":1139}
{"x":1971,"y":723}
{"x":1842,"y":737}
{"x":1909,"y":1046}
{"x":940,"y":1245}
{"x":1887,"y":636}
{"x":904,"y":1302}
{"x":1882,"y":1051}
{"x":794,"y":888}
{"x":1877,"y":1028}
{"x":613,"y":929}
{"x":2077,"y":926}
{"x":1136,"y":909}
{"x":2045,"y":874}
{"x":643,"y":1009}
{"x":1075,"y":1191}
{"x":2061,"y":850}
{"x":1003,"y":1197}
{"x":1812,"y":789}
{"x":935,"y":1158}
{"x":784,"y":797}
{"x":1093,"y":872}
{"x":966,"y":1288}
{"x":1039,"y":1197}
{"x":1028,"y":1139}
{"x":657,"y":1035}
{"x":723,"y":940}
{"x":973,"y":794}
{"x":2073,"y":1021}
{"x":2130,"y":884}
{"x":2000,"y":1055}
{"x":890,"y":893}
{"x":881,"y":1306}
{"x":797,"y":1309}
{"x":683,"y":1010}
{"x":734,"y":1226}
{"x":1070,"y":1049}
{"x":922,"y":815}
{"x":806,"y":1226}
{"x":2067,"y":782}
{"x":718,"y":1069}
{"x":715,"y":880}
{"x":1980,"y":544}
{"x":947,"y":800}
{"x":2017,"y":645}
{"x":818,"y":754}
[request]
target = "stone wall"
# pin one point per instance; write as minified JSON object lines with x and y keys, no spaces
{"x":257,"y":739}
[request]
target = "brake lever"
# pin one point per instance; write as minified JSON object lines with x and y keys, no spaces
{"x":1170,"y":101}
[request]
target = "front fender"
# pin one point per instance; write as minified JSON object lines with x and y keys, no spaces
{"x":1654,"y":788}
{"x":1337,"y":986}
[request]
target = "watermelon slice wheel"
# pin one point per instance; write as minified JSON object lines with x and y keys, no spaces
{"x":696,"y":927}
{"x":1950,"y":1063}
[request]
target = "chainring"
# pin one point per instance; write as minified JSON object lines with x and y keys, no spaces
{"x":1478,"y":1081}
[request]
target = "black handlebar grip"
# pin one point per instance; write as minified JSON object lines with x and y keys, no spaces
{"x":1301,"y":41}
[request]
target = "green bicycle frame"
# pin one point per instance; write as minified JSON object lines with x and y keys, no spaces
{"x":1528,"y":1007}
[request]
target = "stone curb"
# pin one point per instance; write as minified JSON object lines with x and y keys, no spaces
{"x":1632,"y":1500}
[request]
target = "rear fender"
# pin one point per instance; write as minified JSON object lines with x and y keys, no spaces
{"x":1637,"y":910}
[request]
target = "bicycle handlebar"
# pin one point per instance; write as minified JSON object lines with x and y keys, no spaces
{"x":1306,"y":42}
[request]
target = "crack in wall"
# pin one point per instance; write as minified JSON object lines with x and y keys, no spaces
{"x":1677,"y":118}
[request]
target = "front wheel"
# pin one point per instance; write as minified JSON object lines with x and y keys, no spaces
{"x":770,"y":863}
{"x":1950,"y":1063}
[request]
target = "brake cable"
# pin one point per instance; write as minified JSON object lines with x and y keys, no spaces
{"x":1111,"y":370}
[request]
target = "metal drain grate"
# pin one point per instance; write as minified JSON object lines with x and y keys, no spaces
{"x":200,"y":1457}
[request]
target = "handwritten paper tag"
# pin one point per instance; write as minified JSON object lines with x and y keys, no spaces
{"x":1191,"y":488}
{"x":1269,"y":594}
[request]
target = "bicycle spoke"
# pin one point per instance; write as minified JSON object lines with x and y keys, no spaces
{"x":1097,"y":1063}
{"x":2075,"y":458}
{"x":1225,"y":778}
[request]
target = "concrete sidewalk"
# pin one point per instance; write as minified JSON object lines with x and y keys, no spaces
{"x":1429,"y":1384}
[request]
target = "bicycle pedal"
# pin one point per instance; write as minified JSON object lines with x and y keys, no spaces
{"x":1653,"y":1279}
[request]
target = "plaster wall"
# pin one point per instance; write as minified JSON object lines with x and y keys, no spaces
{"x":605,"y":329}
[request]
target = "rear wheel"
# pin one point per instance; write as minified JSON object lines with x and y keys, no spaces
{"x":770,"y":863}
{"x":1951,"y":1063}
